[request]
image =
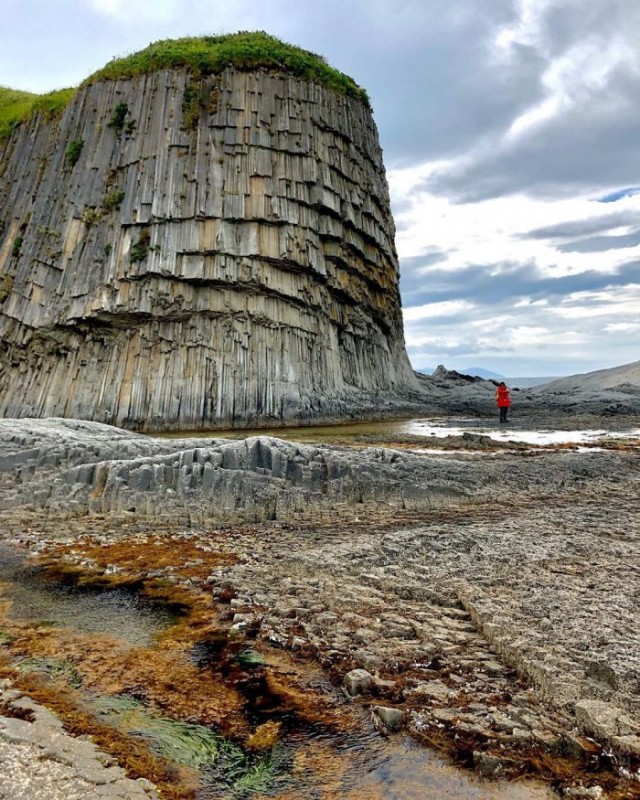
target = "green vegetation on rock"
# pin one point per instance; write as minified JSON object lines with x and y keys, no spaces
{"x":17,"y":106}
{"x":140,"y":250}
{"x":112,"y":201}
{"x":210,"y":55}
{"x":17,"y":246}
{"x":72,"y":154}
{"x":118,"y":117}
{"x":247,"y":50}
{"x":202,"y":55}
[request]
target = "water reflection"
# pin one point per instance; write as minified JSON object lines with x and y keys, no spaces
{"x":410,"y":772}
{"x":367,"y":767}
{"x":543,"y":436}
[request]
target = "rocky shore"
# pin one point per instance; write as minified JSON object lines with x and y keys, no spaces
{"x":40,"y":760}
{"x":484,"y":601}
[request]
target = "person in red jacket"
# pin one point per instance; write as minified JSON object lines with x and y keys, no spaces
{"x":503,"y":400}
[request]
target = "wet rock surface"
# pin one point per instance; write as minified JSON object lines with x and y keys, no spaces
{"x":486,"y":600}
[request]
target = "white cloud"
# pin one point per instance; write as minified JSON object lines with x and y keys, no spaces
{"x":622,"y":327}
{"x":430,"y":310}
{"x":574,"y":80}
{"x":491,"y":231}
{"x":131,"y":10}
{"x":531,"y":335}
{"x":612,"y":303}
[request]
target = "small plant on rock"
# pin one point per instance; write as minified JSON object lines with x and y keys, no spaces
{"x":6,"y":286}
{"x":118,"y":118}
{"x":140,"y":249}
{"x":112,"y":201}
{"x":74,"y":148}
{"x":91,"y":215}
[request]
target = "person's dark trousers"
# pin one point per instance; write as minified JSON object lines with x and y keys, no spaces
{"x":503,"y":413}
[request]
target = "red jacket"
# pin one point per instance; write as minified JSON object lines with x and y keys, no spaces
{"x":502,"y":397}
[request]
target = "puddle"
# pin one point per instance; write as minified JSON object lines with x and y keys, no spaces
{"x":372,"y":768}
{"x":540,"y":437}
{"x":396,"y":430}
{"x":291,"y":760}
{"x":121,"y":613}
{"x":310,"y":764}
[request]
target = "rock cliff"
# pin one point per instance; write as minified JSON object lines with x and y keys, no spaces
{"x":185,"y":250}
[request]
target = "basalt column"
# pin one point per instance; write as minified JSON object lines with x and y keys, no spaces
{"x":182,"y":253}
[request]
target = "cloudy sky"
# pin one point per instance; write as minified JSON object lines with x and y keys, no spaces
{"x":511,"y":134}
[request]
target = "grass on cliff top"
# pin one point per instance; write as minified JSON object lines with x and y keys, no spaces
{"x":247,"y":50}
{"x":17,"y":106}
{"x":204,"y":55}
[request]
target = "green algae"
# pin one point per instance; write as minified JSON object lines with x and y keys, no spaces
{"x":57,"y":669}
{"x":220,"y":762}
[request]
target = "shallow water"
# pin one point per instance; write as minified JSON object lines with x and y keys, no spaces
{"x":311,"y":764}
{"x":370,"y":767}
{"x":429,"y":428}
{"x":511,"y":434}
{"x":116,"y":612}
{"x":306,"y":764}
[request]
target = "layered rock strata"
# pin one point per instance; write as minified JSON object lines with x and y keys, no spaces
{"x":182,"y":253}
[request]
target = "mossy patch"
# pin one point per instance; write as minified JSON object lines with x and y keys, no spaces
{"x":246,"y":50}
{"x":6,"y":286}
{"x":112,"y":201}
{"x":17,"y":246}
{"x":118,"y":118}
{"x":140,"y":250}
{"x":73,"y":151}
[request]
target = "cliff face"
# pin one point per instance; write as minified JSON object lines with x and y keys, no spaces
{"x":187,"y":254}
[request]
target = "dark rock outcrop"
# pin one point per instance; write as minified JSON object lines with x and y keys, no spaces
{"x":195,"y":253}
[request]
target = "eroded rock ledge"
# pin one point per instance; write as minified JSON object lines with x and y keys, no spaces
{"x":74,"y":467}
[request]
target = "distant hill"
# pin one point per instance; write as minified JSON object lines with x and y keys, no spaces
{"x":479,"y":372}
{"x":529,"y":382}
{"x":600,"y":379}
{"x":517,"y":383}
{"x":488,"y":375}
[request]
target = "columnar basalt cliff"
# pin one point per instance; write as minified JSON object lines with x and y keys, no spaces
{"x":186,"y":251}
